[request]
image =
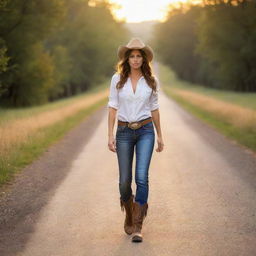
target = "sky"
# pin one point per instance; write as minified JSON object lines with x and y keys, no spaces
{"x":143,"y":10}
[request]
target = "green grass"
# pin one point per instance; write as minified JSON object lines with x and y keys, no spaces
{"x":243,"y":136}
{"x":7,"y":114}
{"x":27,"y":152}
{"x":168,"y":78}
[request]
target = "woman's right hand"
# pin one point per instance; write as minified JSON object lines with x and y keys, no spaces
{"x":112,"y":143}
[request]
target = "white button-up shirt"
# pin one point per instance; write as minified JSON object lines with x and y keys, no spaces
{"x":132,"y":106}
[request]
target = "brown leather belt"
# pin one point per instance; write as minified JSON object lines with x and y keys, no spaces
{"x":135,"y":125}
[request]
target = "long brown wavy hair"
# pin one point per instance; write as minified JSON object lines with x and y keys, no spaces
{"x":124,"y":69}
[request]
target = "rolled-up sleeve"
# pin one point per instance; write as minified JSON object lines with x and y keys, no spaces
{"x":153,"y":101}
{"x":113,"y":93}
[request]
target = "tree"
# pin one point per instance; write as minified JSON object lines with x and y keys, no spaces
{"x":227,"y":39}
{"x":176,"y":40}
{"x":53,"y":49}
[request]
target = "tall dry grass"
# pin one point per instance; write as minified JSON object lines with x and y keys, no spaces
{"x":238,"y":116}
{"x":15,"y":132}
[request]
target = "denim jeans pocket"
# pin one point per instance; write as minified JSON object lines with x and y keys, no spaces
{"x":148,"y":126}
{"x":120,"y":128}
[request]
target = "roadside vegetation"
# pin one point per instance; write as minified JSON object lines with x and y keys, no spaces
{"x":213,"y":44}
{"x":231,"y":113}
{"x":55,"y":49}
{"x":26,"y":133}
{"x":55,"y":59}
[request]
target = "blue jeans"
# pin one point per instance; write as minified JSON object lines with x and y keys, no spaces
{"x":142,"y":140}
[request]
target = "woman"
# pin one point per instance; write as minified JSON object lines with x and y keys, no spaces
{"x":134,"y":95}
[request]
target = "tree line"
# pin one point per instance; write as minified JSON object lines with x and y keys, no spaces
{"x":213,"y":44}
{"x":54,"y":49}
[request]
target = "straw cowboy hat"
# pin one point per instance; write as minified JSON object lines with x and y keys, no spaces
{"x":135,"y":43}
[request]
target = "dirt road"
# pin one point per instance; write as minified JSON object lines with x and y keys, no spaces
{"x":202,"y":198}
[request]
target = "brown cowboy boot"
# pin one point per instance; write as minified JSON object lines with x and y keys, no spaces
{"x":128,"y":206}
{"x":139,"y":214}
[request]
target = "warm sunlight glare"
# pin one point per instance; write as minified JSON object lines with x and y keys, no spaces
{"x":143,"y":10}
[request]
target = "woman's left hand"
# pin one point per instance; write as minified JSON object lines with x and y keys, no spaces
{"x":160,"y":144}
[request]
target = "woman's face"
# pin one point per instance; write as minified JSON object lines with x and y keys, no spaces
{"x":135,"y":59}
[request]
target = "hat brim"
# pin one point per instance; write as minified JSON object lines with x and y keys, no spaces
{"x":147,"y":49}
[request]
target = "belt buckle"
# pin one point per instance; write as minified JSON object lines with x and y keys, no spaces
{"x":134,"y":125}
